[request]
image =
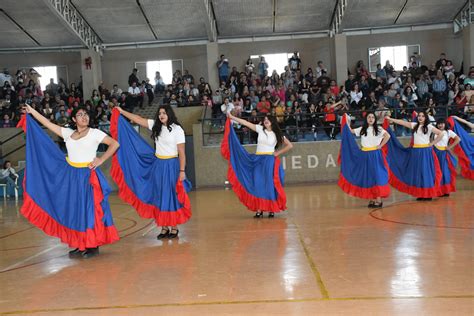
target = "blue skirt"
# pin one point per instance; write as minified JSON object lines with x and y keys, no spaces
{"x":363,"y":174}
{"x":150,"y":184}
{"x":256,"y":179}
{"x":414,"y":171}
{"x":67,"y":202}
{"x":464,"y":150}
{"x":448,"y":165}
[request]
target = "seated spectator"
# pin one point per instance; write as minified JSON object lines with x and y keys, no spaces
{"x":381,"y":112}
{"x":104,"y":124}
{"x":8,"y":176}
{"x":469,"y":80}
{"x":380,"y":72}
{"x":116,"y":92}
{"x":356,"y":97}
{"x":6,"y":122}
{"x":61,"y":118}
{"x":409,"y":96}
{"x":263,"y":106}
{"x":422,"y":88}
{"x":134,"y":97}
{"x":320,"y":68}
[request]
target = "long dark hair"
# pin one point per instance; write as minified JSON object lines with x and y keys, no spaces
{"x":425,"y":124}
{"x":5,"y":164}
{"x":441,"y":120}
{"x":275,"y":129}
{"x":156,"y":130}
{"x":73,"y":124}
{"x":365,"y":126}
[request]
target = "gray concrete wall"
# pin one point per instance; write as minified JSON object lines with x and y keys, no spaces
{"x":117,"y":65}
{"x":70,"y":59}
{"x":311,"y":50}
{"x":468,"y":46}
{"x":432,"y":43}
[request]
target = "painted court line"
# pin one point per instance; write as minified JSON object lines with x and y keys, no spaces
{"x":19,"y":263}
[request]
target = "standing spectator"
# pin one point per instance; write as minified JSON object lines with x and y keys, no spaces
{"x":440,"y":88}
{"x":294,"y":62}
{"x":52,"y":88}
{"x":133,"y":78}
{"x":188,"y":77}
{"x":388,"y":68}
{"x":223,"y":68}
{"x":262,"y":68}
{"x":249,"y":66}
{"x":320,"y":69}
{"x":439,"y":62}
{"x":149,"y":91}
{"x":116,"y":92}
{"x":159,"y":83}
{"x":422,"y":88}
{"x":356,"y":96}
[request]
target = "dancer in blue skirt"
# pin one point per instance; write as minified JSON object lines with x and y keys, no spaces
{"x":152,"y":181}
{"x":67,"y":197}
{"x":415,"y":170}
{"x":447,"y":162}
{"x":257,"y":179}
{"x":364,"y":172}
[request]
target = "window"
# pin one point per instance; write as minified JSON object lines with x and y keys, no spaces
{"x":398,"y":56}
{"x":47,"y":73}
{"x":163,"y":66}
{"x":276,"y":62}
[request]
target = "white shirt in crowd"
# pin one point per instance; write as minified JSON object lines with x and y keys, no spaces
{"x":167,"y":143}
{"x":132,"y":90}
{"x":83,"y":149}
{"x":447,"y":135}
{"x":266,"y":140}
{"x":370,"y":140}
{"x":4,"y":78}
{"x":356,"y":96}
{"x":227,"y":108}
{"x":7,"y":172}
{"x":419,"y":138}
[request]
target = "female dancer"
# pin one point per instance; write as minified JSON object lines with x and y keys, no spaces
{"x":152,"y":181}
{"x":364,"y":172}
{"x":67,"y":197}
{"x":447,"y":162}
{"x":465,"y":150}
{"x":257,"y":179}
{"x":415,"y":170}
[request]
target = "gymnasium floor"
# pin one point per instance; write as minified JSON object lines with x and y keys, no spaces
{"x":328,"y":255}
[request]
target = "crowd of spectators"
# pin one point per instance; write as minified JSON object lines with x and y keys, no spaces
{"x":305,"y":101}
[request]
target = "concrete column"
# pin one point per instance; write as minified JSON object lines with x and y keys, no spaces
{"x":339,"y":58}
{"x":212,"y":58}
{"x":91,"y":77}
{"x":468,"y":46}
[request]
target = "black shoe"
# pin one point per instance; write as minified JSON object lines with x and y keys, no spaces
{"x":428,"y":199}
{"x":164,"y":233}
{"x":371,"y":204}
{"x":76,"y":253}
{"x":258,"y":215}
{"x":90,"y":252}
{"x":271,"y":215}
{"x":445,"y":195}
{"x":377,"y":205}
{"x":420,"y":199}
{"x":173,"y":235}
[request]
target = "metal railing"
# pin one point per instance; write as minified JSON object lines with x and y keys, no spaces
{"x":304,"y":125}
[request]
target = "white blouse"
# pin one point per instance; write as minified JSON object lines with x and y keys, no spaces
{"x":419,"y":138}
{"x":167,"y":143}
{"x":83,"y":149}
{"x":447,"y":135}
{"x":266,"y":140}
{"x":370,"y":140}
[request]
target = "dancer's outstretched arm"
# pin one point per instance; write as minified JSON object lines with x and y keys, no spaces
{"x":242,"y":122}
{"x":143,"y":122}
{"x":56,"y":129}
